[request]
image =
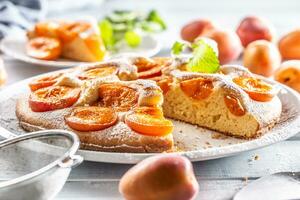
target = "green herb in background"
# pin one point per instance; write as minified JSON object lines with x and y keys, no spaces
{"x":132,"y":38}
{"x":204,"y":57}
{"x":155,"y":18}
{"x":178,"y":47}
{"x":128,"y":26}
{"x":107,"y":33}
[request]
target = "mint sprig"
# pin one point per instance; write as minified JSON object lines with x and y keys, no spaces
{"x":178,"y":47}
{"x":204,"y":58}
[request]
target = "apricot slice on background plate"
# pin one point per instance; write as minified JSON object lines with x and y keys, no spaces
{"x":257,"y":89}
{"x":44,"y":48}
{"x":234,"y":105}
{"x":68,"y":31}
{"x":52,"y":98}
{"x":149,"y":121}
{"x":197,"y":88}
{"x":97,"y":72}
{"x":91,"y":118}
{"x":44,"y":81}
{"x":120,"y":97}
{"x":47,"y":29}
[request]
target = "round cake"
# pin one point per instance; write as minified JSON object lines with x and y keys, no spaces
{"x":122,"y":105}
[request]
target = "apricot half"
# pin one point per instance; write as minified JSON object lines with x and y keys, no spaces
{"x":149,"y":121}
{"x":44,"y":48}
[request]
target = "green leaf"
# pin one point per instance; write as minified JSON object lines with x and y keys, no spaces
{"x":107,"y":33}
{"x":132,"y":38}
{"x":178,"y":47}
{"x":204,"y":59}
{"x":153,"y":16}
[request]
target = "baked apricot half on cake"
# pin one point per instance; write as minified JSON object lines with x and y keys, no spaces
{"x":97,"y":72}
{"x":44,"y":48}
{"x":148,"y":68}
{"x":91,"y":118}
{"x":53,"y":98}
{"x":149,"y":121}
{"x":257,"y":89}
{"x":44,"y":81}
{"x":164,"y":82}
{"x":197,"y":88}
{"x":234,"y":105}
{"x":120,"y":97}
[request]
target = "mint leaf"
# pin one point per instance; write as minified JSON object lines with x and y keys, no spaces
{"x":153,"y":16}
{"x":178,"y":47}
{"x":107,"y":33}
{"x":204,"y":59}
{"x":132,"y":38}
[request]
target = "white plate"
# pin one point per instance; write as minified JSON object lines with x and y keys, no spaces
{"x":15,"y":47}
{"x":197,"y":143}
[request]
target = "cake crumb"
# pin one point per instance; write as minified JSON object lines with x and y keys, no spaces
{"x":218,"y":136}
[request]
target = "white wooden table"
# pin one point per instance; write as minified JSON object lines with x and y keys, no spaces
{"x":218,"y":179}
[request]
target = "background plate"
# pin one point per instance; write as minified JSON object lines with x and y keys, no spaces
{"x":15,"y":47}
{"x":194,"y":142}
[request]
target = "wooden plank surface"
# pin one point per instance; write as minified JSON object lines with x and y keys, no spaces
{"x":218,"y":179}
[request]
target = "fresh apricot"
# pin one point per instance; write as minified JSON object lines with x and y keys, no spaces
{"x":162,"y":177}
{"x":229,"y":44}
{"x":262,"y":57}
{"x":289,"y":45}
{"x":44,"y":48}
{"x":289,"y":74}
{"x":254,"y":28}
{"x":195,"y":29}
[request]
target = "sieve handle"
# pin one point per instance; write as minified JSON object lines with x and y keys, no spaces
{"x":5,"y":134}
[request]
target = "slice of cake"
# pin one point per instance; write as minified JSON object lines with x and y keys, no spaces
{"x":80,"y":40}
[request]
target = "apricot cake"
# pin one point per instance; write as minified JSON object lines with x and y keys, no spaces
{"x":112,"y":108}
{"x":107,"y":114}
{"x":77,"y":40}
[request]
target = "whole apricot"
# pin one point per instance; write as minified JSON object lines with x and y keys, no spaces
{"x":262,"y":57}
{"x":289,"y":45}
{"x":163,"y":177}
{"x":229,"y":44}
{"x":289,"y":74}
{"x":255,"y":28}
{"x":196,"y":28}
